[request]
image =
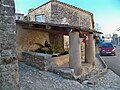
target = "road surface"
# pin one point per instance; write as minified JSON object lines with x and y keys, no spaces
{"x":113,"y":62}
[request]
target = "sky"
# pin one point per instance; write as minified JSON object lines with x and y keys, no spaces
{"x":106,"y":12}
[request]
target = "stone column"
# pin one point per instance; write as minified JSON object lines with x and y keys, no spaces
{"x":9,"y":79}
{"x":90,"y":50}
{"x":75,"y":52}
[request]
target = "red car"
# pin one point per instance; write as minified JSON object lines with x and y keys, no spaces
{"x":107,"y":49}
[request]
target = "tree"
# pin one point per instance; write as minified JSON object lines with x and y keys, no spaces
{"x":25,"y":18}
{"x":97,"y":27}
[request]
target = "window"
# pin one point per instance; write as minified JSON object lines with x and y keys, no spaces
{"x":18,"y":17}
{"x":107,"y":45}
{"x":40,"y":18}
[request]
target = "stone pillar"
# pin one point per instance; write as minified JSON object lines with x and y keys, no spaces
{"x":90,"y":50}
{"x":9,"y":79}
{"x":75,"y":52}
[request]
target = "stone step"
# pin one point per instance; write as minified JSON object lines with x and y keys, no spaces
{"x":64,"y":72}
{"x":87,"y":68}
{"x":69,"y":73}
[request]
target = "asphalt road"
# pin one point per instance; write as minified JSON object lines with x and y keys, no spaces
{"x":113,"y":62}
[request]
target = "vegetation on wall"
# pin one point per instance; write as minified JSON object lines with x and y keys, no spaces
{"x":25,"y":18}
{"x":49,"y":49}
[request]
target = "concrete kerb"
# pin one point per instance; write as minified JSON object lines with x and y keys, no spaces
{"x":104,"y":65}
{"x":100,"y":72}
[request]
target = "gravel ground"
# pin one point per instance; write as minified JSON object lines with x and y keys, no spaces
{"x":34,"y":79}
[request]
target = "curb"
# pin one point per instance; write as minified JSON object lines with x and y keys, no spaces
{"x":104,"y":65}
{"x":103,"y":62}
{"x":103,"y":71}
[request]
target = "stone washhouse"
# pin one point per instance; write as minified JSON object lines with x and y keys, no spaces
{"x":58,"y":23}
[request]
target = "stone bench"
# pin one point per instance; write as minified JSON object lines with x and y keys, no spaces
{"x":38,"y":60}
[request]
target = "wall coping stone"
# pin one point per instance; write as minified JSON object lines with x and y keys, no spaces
{"x":38,"y":60}
{"x":45,"y":56}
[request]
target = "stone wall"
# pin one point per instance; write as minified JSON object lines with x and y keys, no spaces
{"x":66,"y":43}
{"x":38,"y":60}
{"x":57,"y":41}
{"x":9,"y":79}
{"x":62,"y":13}
{"x":45,"y":9}
{"x":26,"y":39}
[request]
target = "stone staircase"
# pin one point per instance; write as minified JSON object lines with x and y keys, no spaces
{"x":68,"y":73}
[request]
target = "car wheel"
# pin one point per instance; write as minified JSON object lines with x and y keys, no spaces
{"x":114,"y":54}
{"x":100,"y":54}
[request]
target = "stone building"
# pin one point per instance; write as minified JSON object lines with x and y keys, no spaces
{"x":19,"y":16}
{"x":54,"y":20}
{"x":115,"y":39}
{"x":55,"y":12}
{"x":61,"y":13}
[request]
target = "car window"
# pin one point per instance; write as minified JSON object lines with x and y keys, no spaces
{"x":107,"y":45}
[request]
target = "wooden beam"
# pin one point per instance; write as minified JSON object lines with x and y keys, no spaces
{"x":46,"y":30}
{"x":52,"y":26}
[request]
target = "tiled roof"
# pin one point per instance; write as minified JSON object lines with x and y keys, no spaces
{"x":19,"y":14}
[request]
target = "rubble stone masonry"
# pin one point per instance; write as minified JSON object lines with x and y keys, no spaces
{"x":9,"y":79}
{"x":61,"y":13}
{"x":45,"y":9}
{"x":65,"y":13}
{"x":27,"y":39}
